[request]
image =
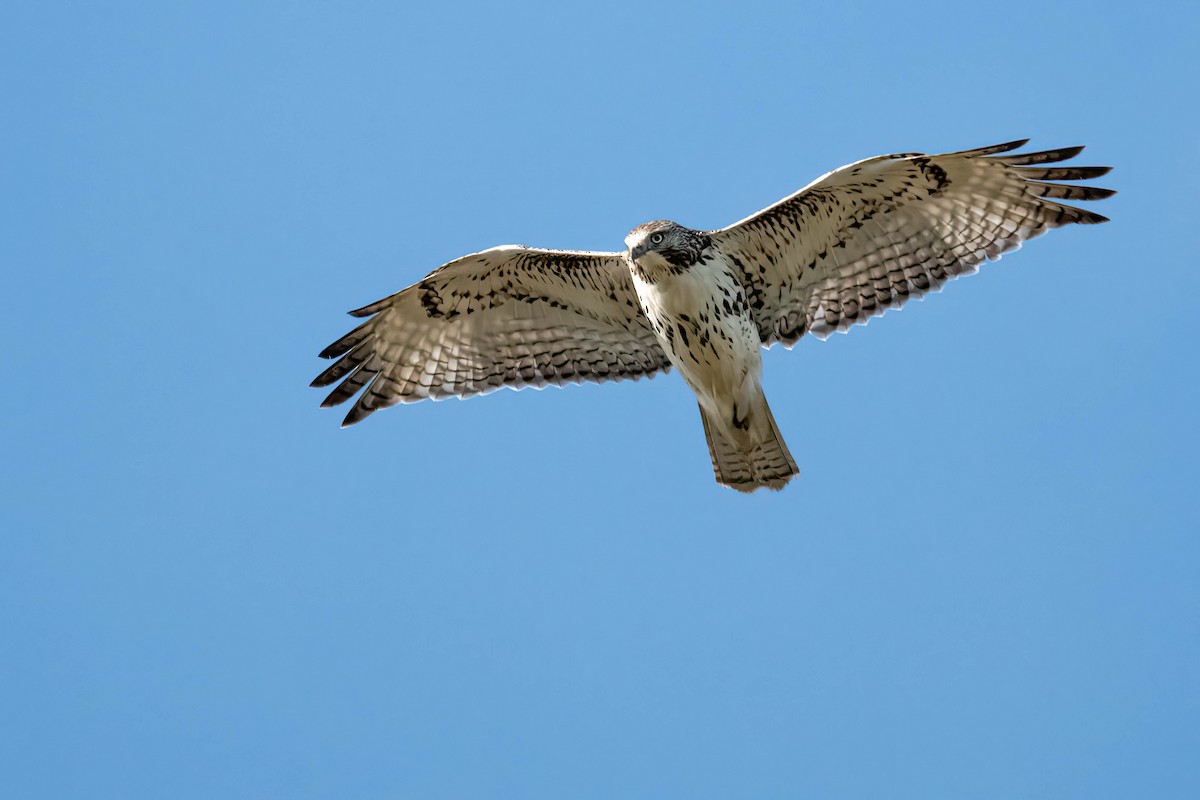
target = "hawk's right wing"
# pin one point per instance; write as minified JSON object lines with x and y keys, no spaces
{"x":511,"y":316}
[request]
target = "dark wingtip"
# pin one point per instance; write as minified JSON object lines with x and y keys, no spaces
{"x":1067,"y":153}
{"x":1041,"y":157}
{"x":998,"y":148}
{"x":1013,"y":145}
{"x":370,"y":308}
{"x":1036,"y":173}
{"x":1083,"y":217}
{"x":356,"y":415}
{"x":351,"y":340}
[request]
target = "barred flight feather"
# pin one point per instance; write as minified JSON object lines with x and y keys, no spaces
{"x":506,"y":317}
{"x":867,"y":237}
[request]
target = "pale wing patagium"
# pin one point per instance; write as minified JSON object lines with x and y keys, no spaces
{"x":510,"y":316}
{"x":854,"y":243}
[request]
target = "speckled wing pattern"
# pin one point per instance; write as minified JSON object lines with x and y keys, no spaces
{"x":867,"y":237}
{"x":511,"y":316}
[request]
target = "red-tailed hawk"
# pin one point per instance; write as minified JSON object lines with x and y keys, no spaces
{"x":852,"y":244}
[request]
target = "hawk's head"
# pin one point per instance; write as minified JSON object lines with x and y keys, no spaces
{"x":664,"y":247}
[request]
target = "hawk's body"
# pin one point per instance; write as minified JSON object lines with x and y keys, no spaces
{"x":852,"y":244}
{"x":703,"y":323}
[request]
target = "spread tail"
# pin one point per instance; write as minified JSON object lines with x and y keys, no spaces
{"x":752,"y":454}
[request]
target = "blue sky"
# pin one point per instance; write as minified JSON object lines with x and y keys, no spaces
{"x":983,"y":584}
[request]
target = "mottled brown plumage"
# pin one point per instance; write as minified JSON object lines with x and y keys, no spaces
{"x":854,"y":243}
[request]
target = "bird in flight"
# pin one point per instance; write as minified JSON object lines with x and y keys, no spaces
{"x":850,"y":245}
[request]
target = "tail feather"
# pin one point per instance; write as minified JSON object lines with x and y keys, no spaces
{"x":752,"y":458}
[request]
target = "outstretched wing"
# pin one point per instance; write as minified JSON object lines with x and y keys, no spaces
{"x":510,"y":316}
{"x":868,"y":236}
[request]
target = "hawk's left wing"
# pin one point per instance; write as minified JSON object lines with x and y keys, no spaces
{"x":868,"y":236}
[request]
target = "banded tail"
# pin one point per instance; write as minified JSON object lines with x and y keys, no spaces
{"x":752,"y":456}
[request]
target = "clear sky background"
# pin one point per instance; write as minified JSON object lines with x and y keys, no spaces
{"x":985,"y":582}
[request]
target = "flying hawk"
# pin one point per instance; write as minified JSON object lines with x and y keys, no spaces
{"x":855,"y":242}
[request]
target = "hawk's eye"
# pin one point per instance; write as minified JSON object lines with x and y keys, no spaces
{"x":656,"y":238}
